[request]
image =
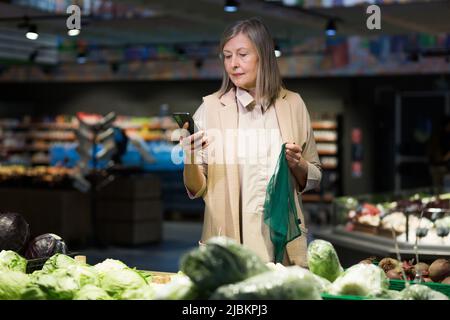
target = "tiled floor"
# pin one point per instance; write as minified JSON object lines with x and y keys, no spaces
{"x":178,"y":238}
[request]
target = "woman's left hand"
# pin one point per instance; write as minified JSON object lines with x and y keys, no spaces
{"x":293,"y":155}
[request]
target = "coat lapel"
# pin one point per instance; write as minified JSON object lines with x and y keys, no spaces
{"x":229,"y":125}
{"x":284,"y":116}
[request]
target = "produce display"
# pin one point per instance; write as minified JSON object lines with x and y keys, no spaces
{"x":14,"y":231}
{"x":293,"y":283}
{"x":428,"y":218}
{"x":221,"y":269}
{"x":221,"y":262}
{"x":437,"y":271}
{"x":323,"y":260}
{"x":45,"y":245}
{"x":22,"y":176}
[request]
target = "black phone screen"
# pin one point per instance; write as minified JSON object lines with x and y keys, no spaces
{"x":182,"y":117}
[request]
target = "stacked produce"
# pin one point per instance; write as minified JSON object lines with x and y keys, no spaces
{"x":363,"y":279}
{"x":18,"y":175}
{"x":428,"y":217}
{"x":222,"y":269}
{"x":15,"y":236}
{"x":438,"y":271}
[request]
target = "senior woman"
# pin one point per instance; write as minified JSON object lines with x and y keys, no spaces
{"x":243,"y":126}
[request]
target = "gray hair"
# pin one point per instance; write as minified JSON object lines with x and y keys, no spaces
{"x":268,"y":79}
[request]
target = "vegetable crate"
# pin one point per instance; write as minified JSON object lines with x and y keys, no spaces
{"x":326,"y":296}
{"x":399,"y":285}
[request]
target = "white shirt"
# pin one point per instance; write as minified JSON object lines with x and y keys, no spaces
{"x":259,"y":146}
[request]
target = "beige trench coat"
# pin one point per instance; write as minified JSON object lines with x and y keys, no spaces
{"x":222,"y":191}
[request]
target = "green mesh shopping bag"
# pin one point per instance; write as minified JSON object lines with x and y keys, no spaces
{"x":280,"y":213}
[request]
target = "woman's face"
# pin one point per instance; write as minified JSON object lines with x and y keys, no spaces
{"x":241,"y":61}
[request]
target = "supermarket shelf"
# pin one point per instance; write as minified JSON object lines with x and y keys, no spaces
{"x":317,"y":198}
{"x":321,"y":125}
{"x":54,"y":126}
{"x":24,"y":149}
{"x":327,"y":153}
{"x":325,"y":140}
{"x":368,"y":245}
{"x":40,"y":162}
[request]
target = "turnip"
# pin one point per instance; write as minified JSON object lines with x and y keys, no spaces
{"x":439,"y":270}
{"x":422,"y":267}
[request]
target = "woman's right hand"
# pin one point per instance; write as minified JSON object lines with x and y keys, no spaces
{"x":192,"y":144}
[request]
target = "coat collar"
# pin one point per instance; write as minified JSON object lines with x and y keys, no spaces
{"x":229,"y":98}
{"x":229,"y":113}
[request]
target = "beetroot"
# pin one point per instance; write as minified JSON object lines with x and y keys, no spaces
{"x":422,"y":266}
{"x":409,"y":269}
{"x":439,"y":270}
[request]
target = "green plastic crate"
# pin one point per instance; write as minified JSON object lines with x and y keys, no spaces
{"x":326,"y":296}
{"x":399,"y":285}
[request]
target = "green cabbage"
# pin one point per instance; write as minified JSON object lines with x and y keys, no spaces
{"x":179,"y":288}
{"x":221,"y":261}
{"x":57,"y":285}
{"x":421,"y":292}
{"x":323,"y":284}
{"x":365,"y":280}
{"x":33,"y":292}
{"x":147,"y":292}
{"x":293,"y":283}
{"x":323,"y":260}
{"x":388,"y":295}
{"x":11,"y":260}
{"x":115,"y":282}
{"x":91,"y":292}
{"x":12,"y":284}
{"x":109,"y":265}
{"x":58,"y":261}
{"x":84,"y":275}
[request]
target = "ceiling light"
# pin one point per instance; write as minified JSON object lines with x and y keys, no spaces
{"x":330,"y":29}
{"x":32,"y":32}
{"x":73,"y":32}
{"x":277,"y":51}
{"x":230,"y":6}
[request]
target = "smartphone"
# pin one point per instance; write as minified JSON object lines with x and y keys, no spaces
{"x":182,"y":117}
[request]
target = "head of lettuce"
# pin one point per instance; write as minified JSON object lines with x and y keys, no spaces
{"x":323,"y":260}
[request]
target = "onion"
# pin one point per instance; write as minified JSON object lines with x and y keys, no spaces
{"x":439,"y":270}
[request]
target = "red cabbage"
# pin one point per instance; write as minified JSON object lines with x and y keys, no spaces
{"x":45,"y":245}
{"x":14,"y":232}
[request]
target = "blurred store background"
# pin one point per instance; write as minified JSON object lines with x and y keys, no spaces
{"x":379,"y":100}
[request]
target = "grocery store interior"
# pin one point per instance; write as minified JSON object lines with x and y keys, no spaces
{"x":378,"y":98}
